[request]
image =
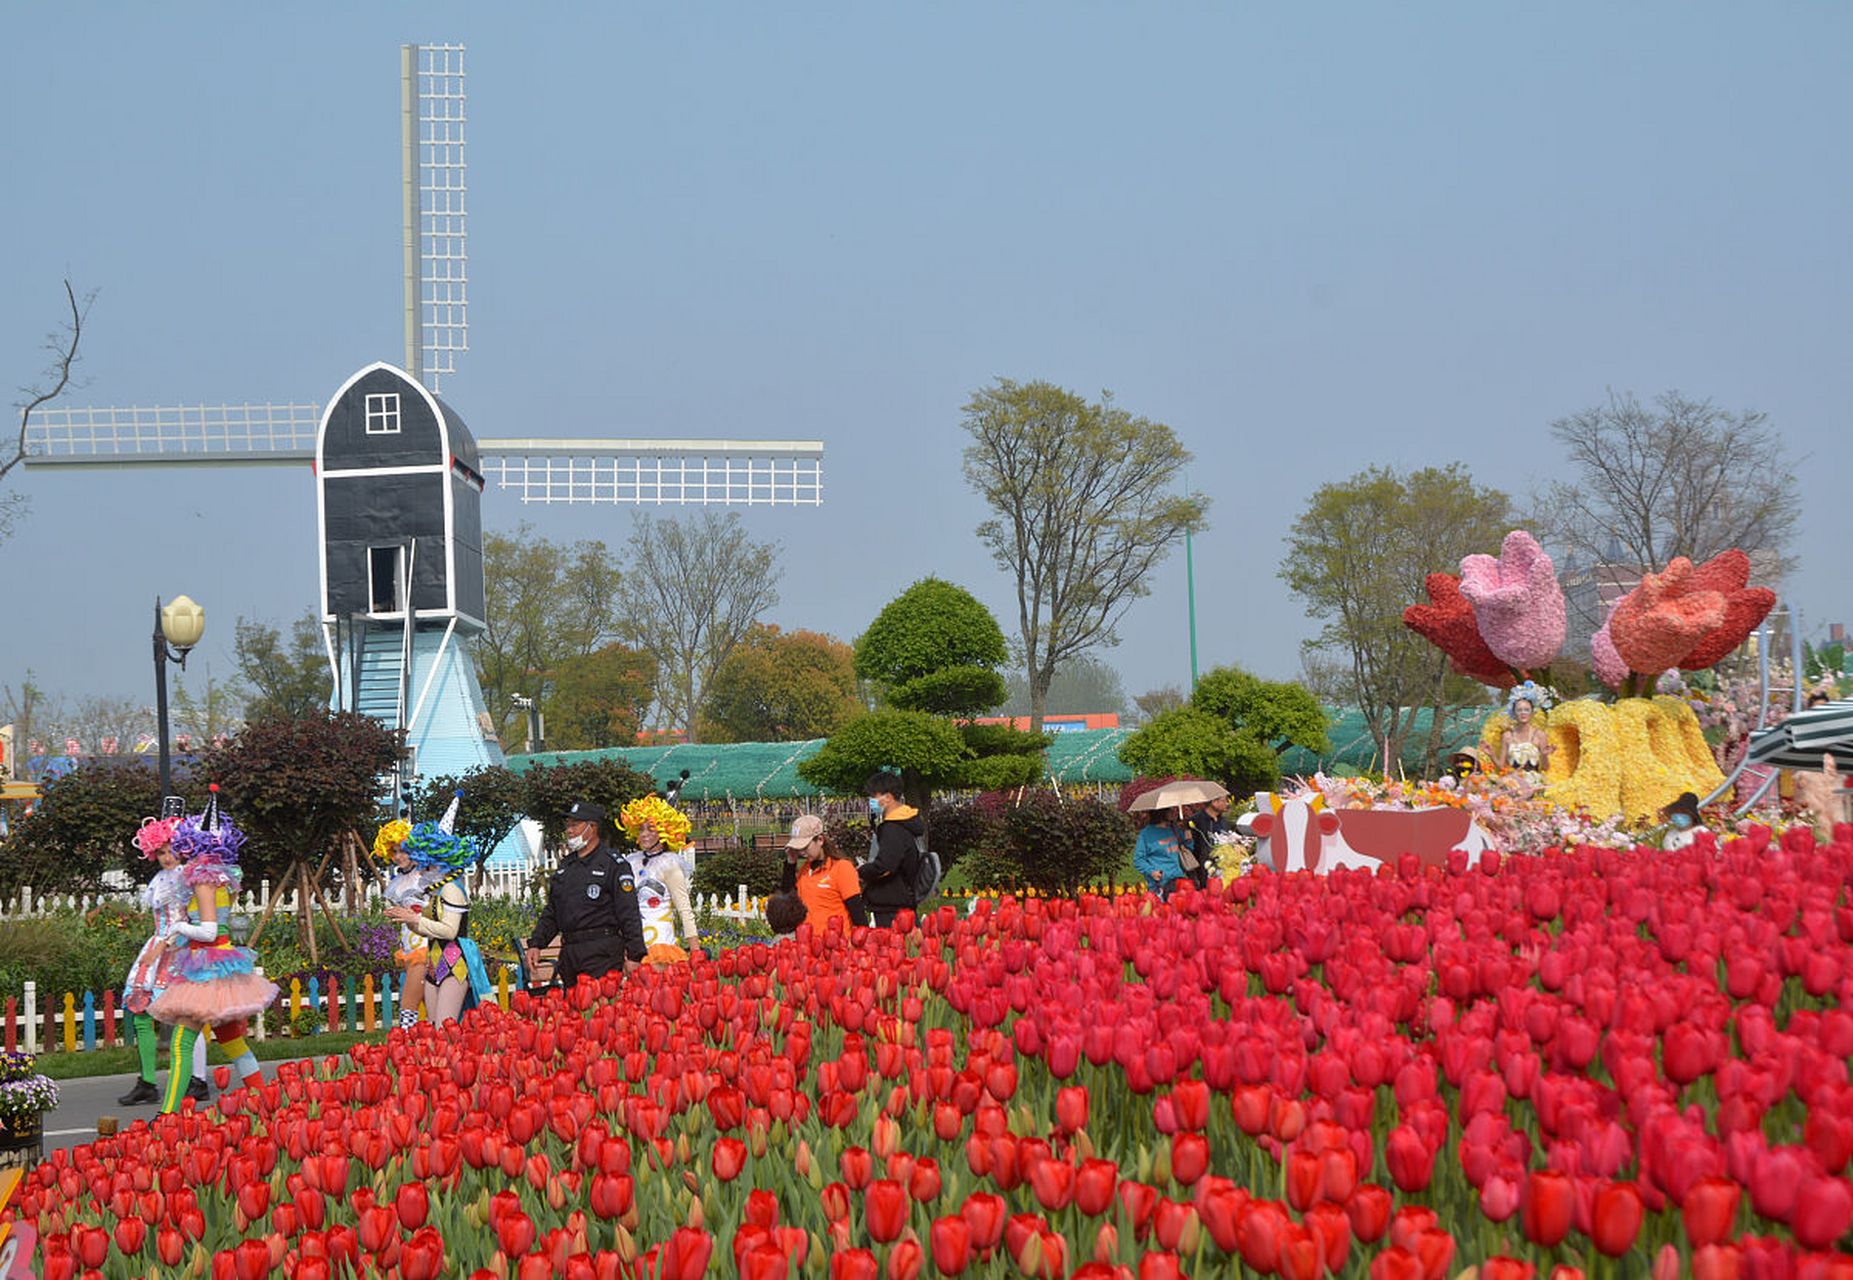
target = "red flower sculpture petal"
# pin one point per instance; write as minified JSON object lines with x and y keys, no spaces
{"x":1658,"y":623}
{"x":1745,"y":607}
{"x":1449,"y":625}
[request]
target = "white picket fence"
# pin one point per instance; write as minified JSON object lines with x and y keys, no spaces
{"x":496,"y":885}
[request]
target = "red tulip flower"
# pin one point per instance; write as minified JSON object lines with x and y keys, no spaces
{"x":1547,"y":1206}
{"x":1616,"y":1218}
{"x":884,"y":1209}
{"x":728,"y":1159}
{"x":1410,"y":1161}
{"x":985,"y":1214}
{"x":1070,"y":1108}
{"x":951,"y":1240}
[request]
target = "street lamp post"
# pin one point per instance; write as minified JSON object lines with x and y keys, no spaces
{"x":178,"y":626}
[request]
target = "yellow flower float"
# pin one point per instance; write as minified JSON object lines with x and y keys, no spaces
{"x":1631,"y":757}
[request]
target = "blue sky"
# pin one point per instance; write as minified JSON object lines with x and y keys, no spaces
{"x":1310,"y":238}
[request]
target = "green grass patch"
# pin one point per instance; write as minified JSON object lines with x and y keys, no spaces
{"x":121,"y":1062}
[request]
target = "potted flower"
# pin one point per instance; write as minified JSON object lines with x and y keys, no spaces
{"x":25,"y":1097}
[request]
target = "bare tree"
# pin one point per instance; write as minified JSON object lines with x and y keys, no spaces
{"x":62,"y":343}
{"x":1150,"y":705}
{"x":1678,"y":478}
{"x":693,"y":590}
{"x":1085,"y":505}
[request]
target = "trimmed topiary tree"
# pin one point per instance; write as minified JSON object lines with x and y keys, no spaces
{"x":932,"y":654}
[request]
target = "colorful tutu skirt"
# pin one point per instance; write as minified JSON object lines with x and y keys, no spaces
{"x":211,"y":983}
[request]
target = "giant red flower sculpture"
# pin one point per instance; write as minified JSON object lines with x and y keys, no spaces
{"x":1448,"y":624}
{"x":1517,"y":602}
{"x":1662,"y":620}
{"x":1745,"y":607}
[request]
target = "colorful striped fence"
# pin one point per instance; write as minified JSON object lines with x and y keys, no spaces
{"x":70,"y":1023}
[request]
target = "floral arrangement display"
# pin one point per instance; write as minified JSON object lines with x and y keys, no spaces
{"x":1629,"y":758}
{"x":1507,"y":804}
{"x":25,"y":1095}
{"x":1592,"y":1062}
{"x":1503,"y":621}
{"x":672,"y":825}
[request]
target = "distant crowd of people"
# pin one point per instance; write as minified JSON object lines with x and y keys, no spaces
{"x":612,"y":911}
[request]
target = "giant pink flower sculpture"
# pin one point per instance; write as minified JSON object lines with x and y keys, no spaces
{"x":1516,"y":602}
{"x":1610,"y":669}
{"x":1658,"y":623}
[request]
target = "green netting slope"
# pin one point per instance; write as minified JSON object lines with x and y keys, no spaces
{"x":769,"y":770}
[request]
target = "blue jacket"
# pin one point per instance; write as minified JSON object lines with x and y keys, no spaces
{"x":1155,"y":858}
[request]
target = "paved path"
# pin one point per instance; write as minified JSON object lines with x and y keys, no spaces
{"x":81,"y":1102}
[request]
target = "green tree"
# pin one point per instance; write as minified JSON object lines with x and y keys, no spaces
{"x":549,"y":604}
{"x":1086,"y":505}
{"x":1357,"y":555}
{"x":935,"y":648}
{"x":1278,"y":713}
{"x":214,"y":712}
{"x":781,"y":686}
{"x":1194,"y":743}
{"x":553,"y":788}
{"x":301,"y":788}
{"x":494,"y":802}
{"x":692,"y":591}
{"x":288,"y":679}
{"x":80,"y":829}
{"x":600,"y":699}
{"x":932,"y":656}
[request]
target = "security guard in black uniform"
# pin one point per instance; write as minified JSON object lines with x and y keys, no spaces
{"x":591,"y":905}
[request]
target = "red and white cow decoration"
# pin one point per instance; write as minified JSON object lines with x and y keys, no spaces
{"x":1298,"y":833}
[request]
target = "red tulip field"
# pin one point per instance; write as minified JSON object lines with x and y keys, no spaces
{"x":1588,"y":1062}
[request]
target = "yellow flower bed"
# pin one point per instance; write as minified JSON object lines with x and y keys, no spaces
{"x":1631,"y":758}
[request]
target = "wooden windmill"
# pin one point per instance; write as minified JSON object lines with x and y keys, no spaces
{"x":400,"y":478}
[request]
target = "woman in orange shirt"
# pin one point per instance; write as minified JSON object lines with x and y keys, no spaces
{"x":824,"y":879}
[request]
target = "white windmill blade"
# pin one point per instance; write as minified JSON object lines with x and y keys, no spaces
{"x":437,"y":275}
{"x":782,"y":473}
{"x":255,"y":434}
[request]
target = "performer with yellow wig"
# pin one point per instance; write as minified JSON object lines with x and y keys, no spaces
{"x":405,"y":889}
{"x":662,"y":865}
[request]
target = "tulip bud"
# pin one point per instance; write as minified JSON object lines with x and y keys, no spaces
{"x":624,"y":1245}
{"x":1106,"y":1243}
{"x":694,"y":1212}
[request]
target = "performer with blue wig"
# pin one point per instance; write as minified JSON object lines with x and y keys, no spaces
{"x":453,"y":968}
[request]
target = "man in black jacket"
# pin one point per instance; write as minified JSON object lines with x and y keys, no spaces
{"x":888,"y":877}
{"x":591,"y":905}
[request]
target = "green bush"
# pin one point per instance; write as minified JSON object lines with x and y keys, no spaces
{"x":723,"y":871}
{"x":1061,"y":846}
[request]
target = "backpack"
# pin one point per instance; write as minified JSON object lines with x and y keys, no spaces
{"x":926,"y":872}
{"x":927,"y":867}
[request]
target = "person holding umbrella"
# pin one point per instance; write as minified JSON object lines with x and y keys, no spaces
{"x":1166,"y":842}
{"x":1158,"y":856}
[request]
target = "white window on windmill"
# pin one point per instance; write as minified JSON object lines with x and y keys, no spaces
{"x":383,"y":413}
